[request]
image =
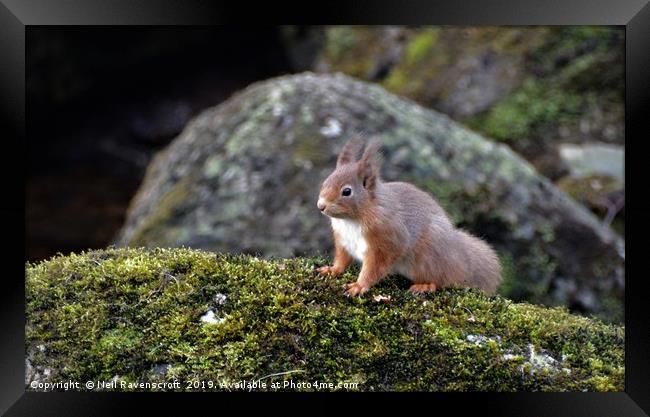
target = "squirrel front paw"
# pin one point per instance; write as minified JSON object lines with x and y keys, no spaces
{"x":422,"y":288}
{"x":353,"y":289}
{"x":329,"y":271}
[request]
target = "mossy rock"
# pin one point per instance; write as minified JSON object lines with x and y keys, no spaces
{"x":159,"y":315}
{"x":243,"y":177}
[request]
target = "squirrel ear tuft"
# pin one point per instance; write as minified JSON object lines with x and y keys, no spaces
{"x":350,"y":151}
{"x":370,"y":164}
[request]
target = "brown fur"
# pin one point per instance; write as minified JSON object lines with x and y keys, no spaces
{"x":405,"y":230}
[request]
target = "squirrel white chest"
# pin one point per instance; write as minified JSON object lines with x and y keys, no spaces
{"x":350,"y":237}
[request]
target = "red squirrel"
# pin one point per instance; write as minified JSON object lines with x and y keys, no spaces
{"x":394,"y":227}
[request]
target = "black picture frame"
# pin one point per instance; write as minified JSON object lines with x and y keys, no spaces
{"x":16,"y":16}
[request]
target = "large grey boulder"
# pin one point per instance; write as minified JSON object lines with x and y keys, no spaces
{"x":244,"y":177}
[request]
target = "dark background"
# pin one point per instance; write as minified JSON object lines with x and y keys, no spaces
{"x":102,"y":101}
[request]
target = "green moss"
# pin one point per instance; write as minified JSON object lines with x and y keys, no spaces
{"x":338,"y":40}
{"x":396,"y":80}
{"x":543,"y":268}
{"x":350,"y":49}
{"x":421,"y":45}
{"x":532,"y":105}
{"x":420,"y":65}
{"x":123,"y":312}
{"x":546,"y":232}
{"x":509,"y":280}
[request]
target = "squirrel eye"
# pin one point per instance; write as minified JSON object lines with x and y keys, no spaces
{"x":347,"y":191}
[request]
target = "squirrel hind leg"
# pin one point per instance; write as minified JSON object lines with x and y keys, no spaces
{"x":422,"y":288}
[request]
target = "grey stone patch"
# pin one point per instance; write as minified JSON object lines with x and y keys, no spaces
{"x":29,"y":371}
{"x":511,"y":356}
{"x":477,"y":82}
{"x":211,"y":318}
{"x":536,"y":360}
{"x":33,"y":371}
{"x":332,"y":128}
{"x":540,"y":361}
{"x":36,"y":374}
{"x":161,"y":369}
{"x":220,"y":299}
{"x":480,"y":340}
{"x":585,"y":159}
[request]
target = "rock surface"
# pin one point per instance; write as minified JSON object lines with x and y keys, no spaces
{"x":132,"y":317}
{"x":244,"y":177}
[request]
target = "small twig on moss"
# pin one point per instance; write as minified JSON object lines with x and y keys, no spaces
{"x":471,"y":315}
{"x":169,"y":276}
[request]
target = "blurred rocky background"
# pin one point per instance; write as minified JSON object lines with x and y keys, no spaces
{"x":240,"y":176}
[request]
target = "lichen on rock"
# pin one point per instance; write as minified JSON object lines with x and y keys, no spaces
{"x":139,"y":315}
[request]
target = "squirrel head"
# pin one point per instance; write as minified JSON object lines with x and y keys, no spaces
{"x":352,"y":186}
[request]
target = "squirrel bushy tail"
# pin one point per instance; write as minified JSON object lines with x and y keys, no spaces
{"x":484,"y":263}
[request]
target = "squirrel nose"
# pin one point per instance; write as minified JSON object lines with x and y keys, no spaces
{"x":321,"y":204}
